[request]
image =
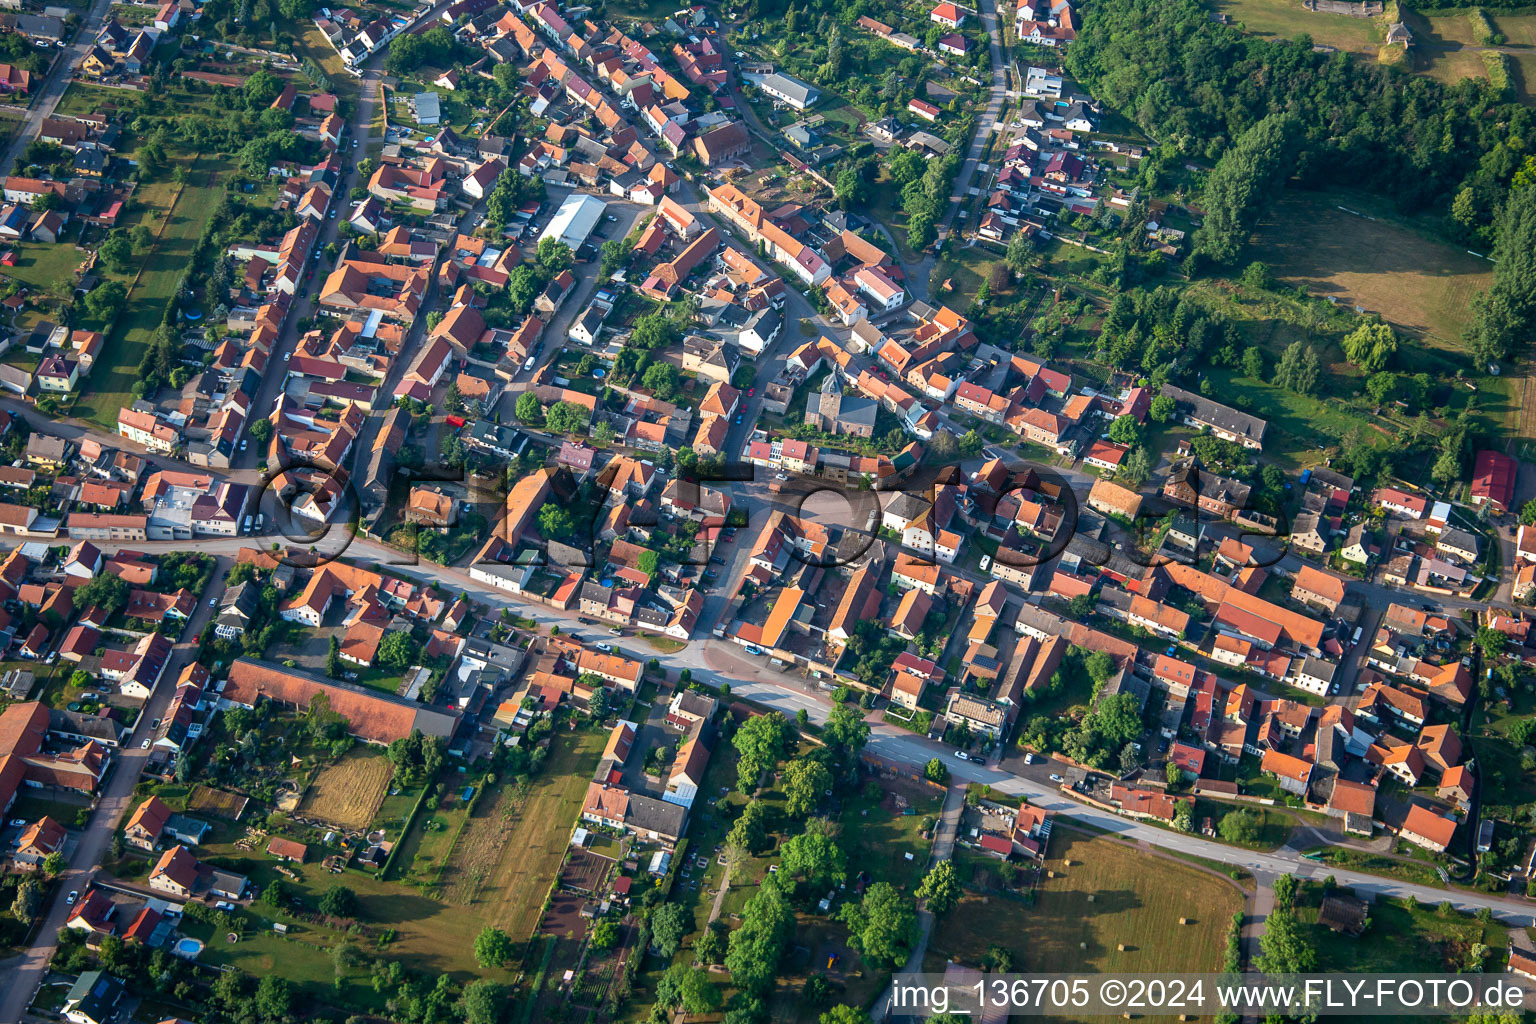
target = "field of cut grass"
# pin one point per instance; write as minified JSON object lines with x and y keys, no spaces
{"x":1423,"y":288}
{"x":1286,"y":19}
{"x":349,"y":793}
{"x":1137,"y":901}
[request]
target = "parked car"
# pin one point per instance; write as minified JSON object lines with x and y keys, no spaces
{"x":69,"y":900}
{"x":605,"y":648}
{"x":1057,"y":778}
{"x":752,"y":649}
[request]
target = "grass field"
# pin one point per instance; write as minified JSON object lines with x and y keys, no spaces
{"x":878,"y":837}
{"x":502,"y":867}
{"x":348,"y":794}
{"x":1423,"y":288}
{"x":314,"y":45}
{"x":431,"y":935}
{"x":109,"y":387}
{"x":1138,"y":900}
{"x":1443,"y":45}
{"x":1400,"y":938}
{"x":1286,"y":19}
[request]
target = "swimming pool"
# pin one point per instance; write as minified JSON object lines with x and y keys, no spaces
{"x":188,"y":948}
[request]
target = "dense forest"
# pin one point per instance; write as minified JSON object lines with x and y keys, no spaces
{"x":1268,"y":110}
{"x":1196,"y":86}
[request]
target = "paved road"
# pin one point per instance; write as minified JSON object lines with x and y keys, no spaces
{"x":303,"y":305}
{"x":23,"y":974}
{"x":984,"y":121}
{"x":46,"y":100}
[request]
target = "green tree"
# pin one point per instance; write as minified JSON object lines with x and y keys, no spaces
{"x":106,"y":300}
{"x":757,"y":944}
{"x":566,"y":418}
{"x":483,"y":1000}
{"x":805,"y":781}
{"x":493,"y":948}
{"x":338,"y":901}
{"x":1253,"y":363}
{"x":1298,"y":368}
{"x":660,"y":378}
{"x":1163,"y":406}
{"x":554,"y":256}
{"x":1506,"y":311}
{"x":528,"y":409}
{"x":333,"y":658}
{"x":1136,"y":467}
{"x":28,"y":901}
{"x":1284,"y":887}
{"x":845,"y":733}
{"x":1020,"y":253}
{"x":936,"y":771}
{"x":107,"y":592}
{"x":760,"y":744}
{"x":605,"y":935}
{"x":688,"y":989}
{"x":398,"y":651}
{"x":844,"y":1014}
{"x":850,"y":189}
{"x":1370,"y":346}
{"x":1174,"y":774}
{"x":882,"y":925}
{"x":669,"y":923}
{"x":1284,"y":948}
{"x":750,"y":832}
{"x":116,"y":253}
{"x":940,"y":888}
{"x":1245,"y":180}
{"x":1125,"y":430}
{"x":1381,"y":386}
{"x":709,"y":947}
{"x":1240,"y":826}
{"x":814,"y":856}
{"x":261,"y":431}
{"x":274,"y":998}
{"x":1491,"y":642}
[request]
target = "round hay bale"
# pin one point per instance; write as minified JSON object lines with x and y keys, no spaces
{"x":1090,"y":897}
{"x":1183,"y":920}
{"x":1050,"y":874}
{"x":1082,"y":945}
{"x":1120,"y":947}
